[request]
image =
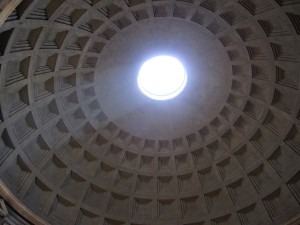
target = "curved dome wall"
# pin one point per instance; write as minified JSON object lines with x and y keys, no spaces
{"x":81,"y":145}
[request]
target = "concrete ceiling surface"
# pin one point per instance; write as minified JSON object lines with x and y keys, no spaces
{"x":80,"y":144}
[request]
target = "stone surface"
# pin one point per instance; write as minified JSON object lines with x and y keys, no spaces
{"x":79,"y":144}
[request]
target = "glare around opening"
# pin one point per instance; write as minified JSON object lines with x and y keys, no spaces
{"x":162,"y":78}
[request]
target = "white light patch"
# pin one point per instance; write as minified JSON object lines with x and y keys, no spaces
{"x":162,"y":78}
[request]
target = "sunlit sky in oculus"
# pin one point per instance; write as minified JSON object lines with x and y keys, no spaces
{"x":162,"y":78}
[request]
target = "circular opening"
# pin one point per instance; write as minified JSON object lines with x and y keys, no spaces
{"x":162,"y":77}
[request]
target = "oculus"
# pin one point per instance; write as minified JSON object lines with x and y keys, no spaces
{"x":162,"y":78}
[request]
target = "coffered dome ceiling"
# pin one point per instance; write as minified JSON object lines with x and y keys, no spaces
{"x":80,"y":144}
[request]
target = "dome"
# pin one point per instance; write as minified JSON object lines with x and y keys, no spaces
{"x":81,"y":143}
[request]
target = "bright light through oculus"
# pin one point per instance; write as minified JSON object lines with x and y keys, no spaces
{"x":162,"y":78}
